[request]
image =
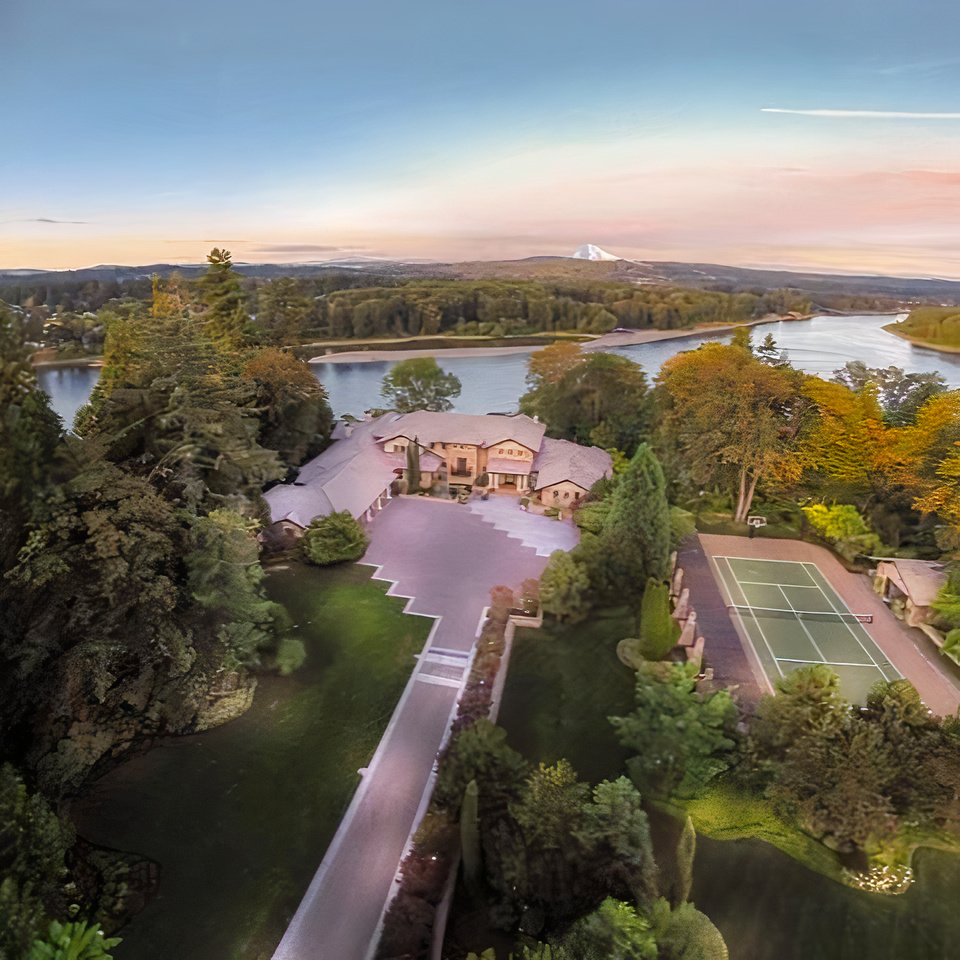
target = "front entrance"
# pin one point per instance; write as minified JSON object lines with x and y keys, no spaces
{"x":461,"y":470}
{"x":508,"y":479}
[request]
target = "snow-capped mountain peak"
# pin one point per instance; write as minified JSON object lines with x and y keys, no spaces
{"x":589,"y":251}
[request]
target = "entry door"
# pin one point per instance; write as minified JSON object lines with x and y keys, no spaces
{"x":462,"y":466}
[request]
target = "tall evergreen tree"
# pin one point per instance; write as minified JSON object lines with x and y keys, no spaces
{"x":413,"y":466}
{"x":637,"y":529}
{"x":225,"y":317}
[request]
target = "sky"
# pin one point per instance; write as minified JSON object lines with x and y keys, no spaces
{"x":822,"y":135}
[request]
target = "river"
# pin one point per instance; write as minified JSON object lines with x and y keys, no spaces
{"x":493,"y":384}
{"x":238,"y":822}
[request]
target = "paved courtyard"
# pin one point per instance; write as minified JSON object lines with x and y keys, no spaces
{"x":446,"y":556}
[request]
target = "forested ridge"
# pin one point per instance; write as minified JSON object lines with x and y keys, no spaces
{"x":131,"y":595}
{"x":286,"y":310}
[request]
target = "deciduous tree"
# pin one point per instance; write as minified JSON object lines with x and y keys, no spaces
{"x":420,"y":384}
{"x":733,"y":418}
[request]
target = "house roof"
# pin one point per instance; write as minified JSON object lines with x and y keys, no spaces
{"x":560,"y":460}
{"x":497,"y":465}
{"x":918,"y":579}
{"x":348,"y":475}
{"x":477,"y":430}
{"x":429,"y":462}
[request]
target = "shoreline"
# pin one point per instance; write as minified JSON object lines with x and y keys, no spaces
{"x":917,"y":342}
{"x":75,"y":362}
{"x":604,"y":342}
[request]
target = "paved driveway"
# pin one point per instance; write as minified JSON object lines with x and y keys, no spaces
{"x":446,"y":557}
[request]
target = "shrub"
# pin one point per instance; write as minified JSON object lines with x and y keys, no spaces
{"x":565,"y":588}
{"x":501,"y":603}
{"x":334,"y":539}
{"x":842,"y":524}
{"x":659,"y":632}
{"x":73,"y":941}
{"x":290,"y":655}
{"x":530,"y":596}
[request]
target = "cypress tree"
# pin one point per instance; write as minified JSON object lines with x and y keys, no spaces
{"x":413,"y":466}
{"x":637,"y":529}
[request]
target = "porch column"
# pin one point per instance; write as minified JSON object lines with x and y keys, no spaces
{"x":496,"y":486}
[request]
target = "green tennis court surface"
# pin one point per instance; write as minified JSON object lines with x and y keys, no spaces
{"x":794,"y":618}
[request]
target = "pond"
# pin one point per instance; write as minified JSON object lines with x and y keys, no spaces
{"x":494,"y":384}
{"x":562,"y":685}
{"x":239,"y":817}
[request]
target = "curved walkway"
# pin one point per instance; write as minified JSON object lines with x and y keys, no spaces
{"x":445,"y":557}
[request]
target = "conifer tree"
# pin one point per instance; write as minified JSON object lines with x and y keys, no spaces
{"x":637,"y":529}
{"x":225,"y":316}
{"x":413,"y":466}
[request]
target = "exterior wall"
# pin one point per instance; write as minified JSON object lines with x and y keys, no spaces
{"x":562,"y":494}
{"x":469,"y":453}
{"x":511,"y":450}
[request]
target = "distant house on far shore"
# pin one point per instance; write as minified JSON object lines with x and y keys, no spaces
{"x":356,"y":472}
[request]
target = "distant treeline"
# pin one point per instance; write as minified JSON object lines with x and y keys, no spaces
{"x":336,"y":306}
{"x":498,"y":308}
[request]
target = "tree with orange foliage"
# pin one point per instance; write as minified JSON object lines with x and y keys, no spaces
{"x":294,"y":413}
{"x":733,"y":418}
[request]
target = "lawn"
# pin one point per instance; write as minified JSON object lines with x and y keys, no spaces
{"x":563,"y":682}
{"x":239,"y":817}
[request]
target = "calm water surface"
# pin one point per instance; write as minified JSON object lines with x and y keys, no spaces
{"x":494,"y":384}
{"x":69,"y":388}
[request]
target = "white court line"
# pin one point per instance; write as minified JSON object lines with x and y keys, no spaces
{"x":851,"y":630}
{"x":833,"y":663}
{"x":803,"y":625}
{"x":776,"y":660}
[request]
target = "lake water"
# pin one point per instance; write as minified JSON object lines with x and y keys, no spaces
{"x":69,"y":388}
{"x":494,"y":384}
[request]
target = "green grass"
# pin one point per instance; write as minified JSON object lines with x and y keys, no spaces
{"x":564,"y":681}
{"x":722,"y":813}
{"x":239,"y":817}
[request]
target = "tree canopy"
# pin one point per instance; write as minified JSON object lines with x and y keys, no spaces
{"x":419,"y":384}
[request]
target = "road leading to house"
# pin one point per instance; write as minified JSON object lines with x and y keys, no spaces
{"x":447,"y":557}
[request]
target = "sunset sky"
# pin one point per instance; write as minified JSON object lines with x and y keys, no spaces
{"x":822,"y":135}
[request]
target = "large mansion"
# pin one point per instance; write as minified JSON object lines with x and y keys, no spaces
{"x":505,"y":453}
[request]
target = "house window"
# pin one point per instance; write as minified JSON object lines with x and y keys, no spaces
{"x":556,"y":494}
{"x":500,"y":450}
{"x":566,"y":494}
{"x":576,"y":495}
{"x":509,"y":453}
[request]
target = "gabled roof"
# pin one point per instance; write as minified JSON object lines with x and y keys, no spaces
{"x":560,"y":460}
{"x":920,"y":580}
{"x":480,"y":431}
{"x":348,"y":475}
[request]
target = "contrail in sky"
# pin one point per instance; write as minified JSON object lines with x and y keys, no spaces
{"x":883,"y":114}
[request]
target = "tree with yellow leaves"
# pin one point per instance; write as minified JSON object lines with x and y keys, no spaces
{"x":734,"y":419}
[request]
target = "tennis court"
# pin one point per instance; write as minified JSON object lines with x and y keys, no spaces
{"x":794,"y":618}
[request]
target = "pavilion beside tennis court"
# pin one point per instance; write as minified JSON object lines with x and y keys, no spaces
{"x":793,"y":603}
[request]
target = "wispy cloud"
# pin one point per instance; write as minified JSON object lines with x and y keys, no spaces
{"x":44,"y":220}
{"x":881,"y":114}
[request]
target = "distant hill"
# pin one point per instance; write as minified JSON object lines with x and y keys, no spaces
{"x":701,"y":275}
